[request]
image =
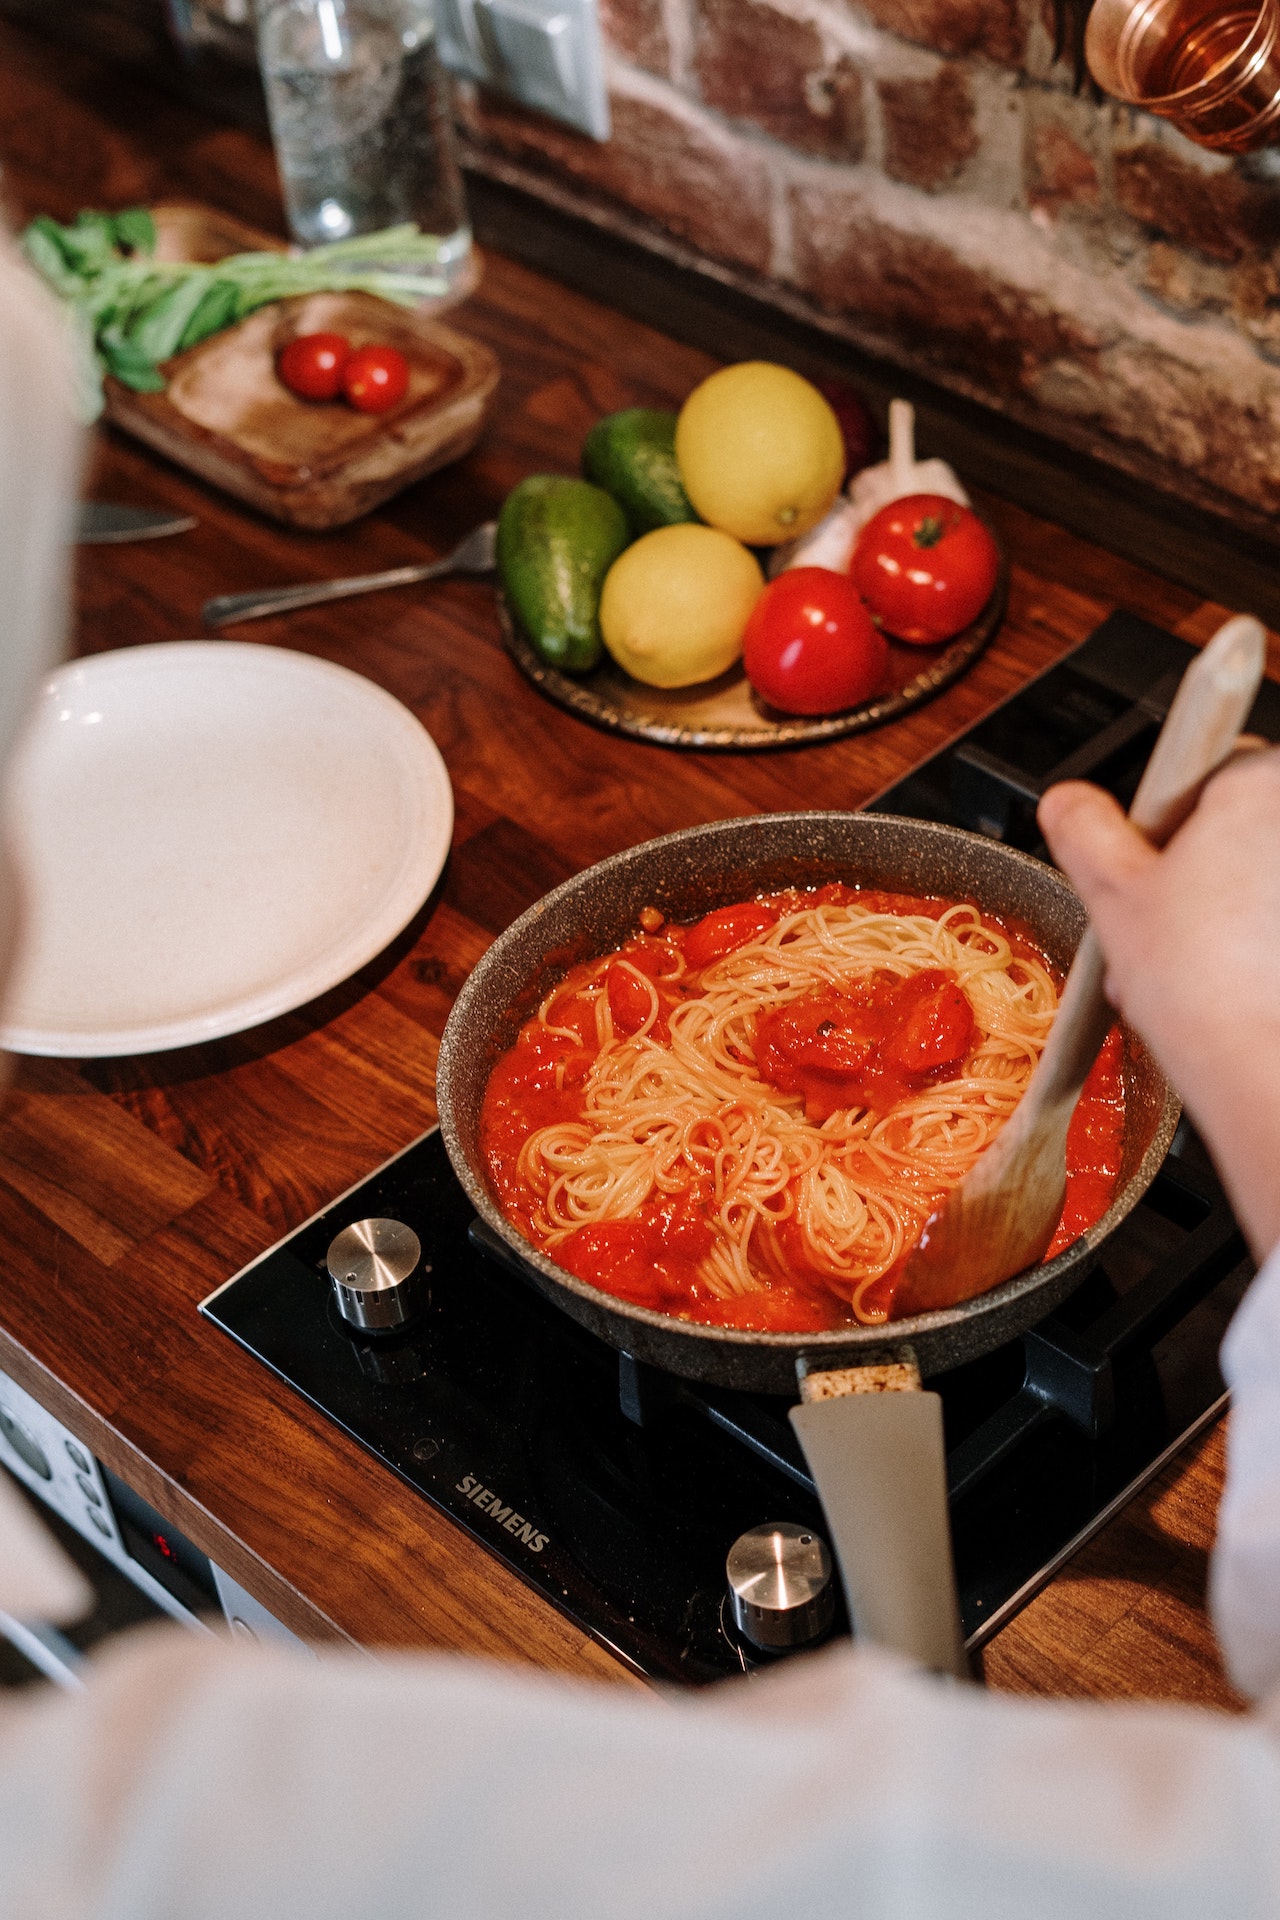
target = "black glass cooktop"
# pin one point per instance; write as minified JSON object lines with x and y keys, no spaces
{"x":616,"y":1490}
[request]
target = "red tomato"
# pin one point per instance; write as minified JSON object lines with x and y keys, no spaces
{"x":868,"y":1046}
{"x":925,"y":567}
{"x":681,"y":1227}
{"x":720,"y":932}
{"x":374,"y":378}
{"x":311,"y":366}
{"x":935,"y":1025}
{"x":630,"y":1001}
{"x":810,"y":646}
{"x":617,"y":1257}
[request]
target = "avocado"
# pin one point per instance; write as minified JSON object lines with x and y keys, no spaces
{"x":557,"y":539}
{"x":632,"y":455}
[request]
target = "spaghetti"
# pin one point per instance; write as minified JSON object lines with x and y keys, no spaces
{"x":749,"y":1121}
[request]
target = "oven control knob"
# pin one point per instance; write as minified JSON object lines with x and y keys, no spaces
{"x":781,"y":1588}
{"x":374,"y":1266}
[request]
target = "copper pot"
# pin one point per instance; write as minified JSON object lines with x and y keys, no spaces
{"x":1211,"y":67}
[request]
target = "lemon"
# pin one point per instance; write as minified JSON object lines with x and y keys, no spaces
{"x":760,"y":452}
{"x":674,"y":605}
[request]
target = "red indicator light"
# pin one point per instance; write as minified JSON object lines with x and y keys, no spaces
{"x":162,"y":1545}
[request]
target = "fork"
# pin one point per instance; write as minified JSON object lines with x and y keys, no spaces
{"x":475,"y":554}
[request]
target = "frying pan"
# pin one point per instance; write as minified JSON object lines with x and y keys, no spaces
{"x":685,"y":875}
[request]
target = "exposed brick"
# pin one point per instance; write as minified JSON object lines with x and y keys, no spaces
{"x":1138,"y":301}
{"x":1194,"y":396}
{"x":1255,"y":304}
{"x":696,"y":181}
{"x":1060,"y":171}
{"x":754,"y":63}
{"x":929,"y":129}
{"x":945,"y":311}
{"x":1255,"y":289}
{"x":992,"y":27}
{"x":1218,"y":213}
{"x":637,"y":29}
{"x":1183,"y":280}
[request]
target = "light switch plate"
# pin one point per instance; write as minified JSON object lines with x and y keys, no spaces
{"x":547,"y":54}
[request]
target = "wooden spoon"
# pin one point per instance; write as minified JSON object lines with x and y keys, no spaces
{"x":1002,"y":1216}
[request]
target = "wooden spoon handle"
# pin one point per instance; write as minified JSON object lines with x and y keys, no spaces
{"x":1208,"y":711}
{"x":1079,"y":1029}
{"x":1209,"y":708}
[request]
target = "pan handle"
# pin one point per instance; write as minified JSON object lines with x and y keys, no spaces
{"x":873,"y":1440}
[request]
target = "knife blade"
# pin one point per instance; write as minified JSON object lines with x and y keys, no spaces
{"x":100,"y":521}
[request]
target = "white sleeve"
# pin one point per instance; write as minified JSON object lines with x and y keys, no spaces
{"x":39,"y":456}
{"x":40,"y":451}
{"x":1246,"y":1564}
{"x":229,"y":1785}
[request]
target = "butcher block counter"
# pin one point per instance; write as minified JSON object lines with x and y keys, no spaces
{"x":130,"y":1188}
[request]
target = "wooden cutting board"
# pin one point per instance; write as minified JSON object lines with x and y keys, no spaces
{"x":226,"y":417}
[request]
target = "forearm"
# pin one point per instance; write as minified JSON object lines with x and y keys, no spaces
{"x":1246,"y":1561}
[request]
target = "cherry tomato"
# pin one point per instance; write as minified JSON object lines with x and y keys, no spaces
{"x":870,"y":1045}
{"x":311,"y":366}
{"x":630,"y":1001}
{"x":935,"y":1025}
{"x":925,"y":567}
{"x":617,"y":1257}
{"x":719,"y":932}
{"x":681,"y":1225}
{"x":810,"y":646}
{"x":374,"y":378}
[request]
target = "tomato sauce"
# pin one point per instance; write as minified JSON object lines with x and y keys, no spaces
{"x":871,"y":1044}
{"x":1095,"y":1146}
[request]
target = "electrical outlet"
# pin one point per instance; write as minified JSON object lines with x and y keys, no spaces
{"x":547,"y":54}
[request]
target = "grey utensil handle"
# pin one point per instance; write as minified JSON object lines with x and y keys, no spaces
{"x":256,"y":606}
{"x":880,"y":1467}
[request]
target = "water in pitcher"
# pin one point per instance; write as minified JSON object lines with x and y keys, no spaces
{"x":360,"y":118}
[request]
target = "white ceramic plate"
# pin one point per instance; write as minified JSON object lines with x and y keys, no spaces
{"x":210,"y":833}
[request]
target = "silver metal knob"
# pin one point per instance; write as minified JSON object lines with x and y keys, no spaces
{"x":780,"y":1585}
{"x":373,"y":1266}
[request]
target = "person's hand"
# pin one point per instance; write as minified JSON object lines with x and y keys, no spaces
{"x":1192,"y":942}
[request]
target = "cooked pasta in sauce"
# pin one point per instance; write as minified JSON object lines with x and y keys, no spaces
{"x":748,"y":1121}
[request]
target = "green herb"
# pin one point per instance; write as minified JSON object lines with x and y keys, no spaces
{"x":129,"y":312}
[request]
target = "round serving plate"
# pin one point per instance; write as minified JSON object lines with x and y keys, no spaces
{"x":727,"y":713}
{"x":210,"y":833}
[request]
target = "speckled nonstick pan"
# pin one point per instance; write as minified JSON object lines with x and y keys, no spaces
{"x":685,"y":875}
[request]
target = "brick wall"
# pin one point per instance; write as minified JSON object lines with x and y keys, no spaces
{"x":919,"y":174}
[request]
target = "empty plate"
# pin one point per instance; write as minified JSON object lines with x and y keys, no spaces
{"x":209,"y":834}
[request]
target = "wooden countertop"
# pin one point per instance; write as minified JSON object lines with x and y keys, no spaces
{"x":130,"y":1188}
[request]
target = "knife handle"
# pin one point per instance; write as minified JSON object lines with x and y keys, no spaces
{"x":880,"y":1466}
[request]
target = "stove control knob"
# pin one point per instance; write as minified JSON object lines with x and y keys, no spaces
{"x":374,"y":1267}
{"x":781,"y":1588}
